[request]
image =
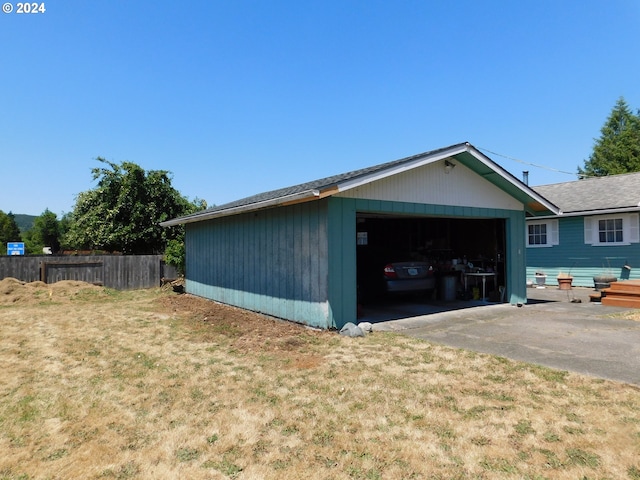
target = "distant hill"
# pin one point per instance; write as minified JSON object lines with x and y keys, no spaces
{"x":24,"y":222}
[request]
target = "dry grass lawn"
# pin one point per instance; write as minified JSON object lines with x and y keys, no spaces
{"x":98,"y":384}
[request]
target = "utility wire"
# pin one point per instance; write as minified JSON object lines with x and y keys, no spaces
{"x":531,"y":164}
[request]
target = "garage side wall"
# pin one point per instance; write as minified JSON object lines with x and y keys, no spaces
{"x":272,"y":261}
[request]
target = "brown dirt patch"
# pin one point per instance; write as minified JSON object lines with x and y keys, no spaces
{"x":14,"y":291}
{"x":247,"y":331}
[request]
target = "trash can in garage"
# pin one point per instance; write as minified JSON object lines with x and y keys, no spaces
{"x":447,"y":288}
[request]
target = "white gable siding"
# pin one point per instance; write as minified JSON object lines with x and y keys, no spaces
{"x":431,"y":185}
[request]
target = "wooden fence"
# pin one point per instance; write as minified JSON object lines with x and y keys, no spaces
{"x":120,"y":272}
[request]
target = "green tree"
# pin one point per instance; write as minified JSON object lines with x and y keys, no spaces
{"x":175,"y":253}
{"x":618,"y":148}
{"x":64,"y":225}
{"x":44,"y":233}
{"x":9,"y":231}
{"x":123,"y":212}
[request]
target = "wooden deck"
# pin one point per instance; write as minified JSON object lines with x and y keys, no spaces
{"x":625,"y":293}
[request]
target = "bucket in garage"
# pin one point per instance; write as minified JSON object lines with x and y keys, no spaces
{"x":447,"y":288}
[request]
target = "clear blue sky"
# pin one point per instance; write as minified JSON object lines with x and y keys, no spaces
{"x":240,"y":97}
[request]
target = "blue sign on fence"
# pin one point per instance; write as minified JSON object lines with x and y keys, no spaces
{"x":15,"y":248}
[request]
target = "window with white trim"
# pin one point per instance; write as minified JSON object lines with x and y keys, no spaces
{"x":620,"y":229}
{"x":542,"y":233}
{"x":610,"y":230}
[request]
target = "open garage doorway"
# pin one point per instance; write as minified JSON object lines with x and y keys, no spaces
{"x":464,"y":258}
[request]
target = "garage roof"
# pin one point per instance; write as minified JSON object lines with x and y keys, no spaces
{"x":465,"y":153}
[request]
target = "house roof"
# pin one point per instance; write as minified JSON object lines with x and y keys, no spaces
{"x":465,"y":153}
{"x":614,"y":193}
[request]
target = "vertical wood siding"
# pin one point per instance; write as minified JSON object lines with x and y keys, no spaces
{"x":272,"y":261}
{"x":583,"y":261}
{"x":342,"y":263}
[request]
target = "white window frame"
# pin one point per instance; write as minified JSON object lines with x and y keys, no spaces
{"x":553,"y":235}
{"x":630,"y":229}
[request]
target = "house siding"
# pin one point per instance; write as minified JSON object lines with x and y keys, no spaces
{"x":582,"y":261}
{"x":273,"y":261}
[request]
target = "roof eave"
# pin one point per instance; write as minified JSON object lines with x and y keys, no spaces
{"x":299,"y":197}
{"x":536,"y":204}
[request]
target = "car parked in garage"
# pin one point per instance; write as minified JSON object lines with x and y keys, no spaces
{"x":409,"y":277}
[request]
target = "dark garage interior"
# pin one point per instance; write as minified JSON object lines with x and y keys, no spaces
{"x":451,"y":247}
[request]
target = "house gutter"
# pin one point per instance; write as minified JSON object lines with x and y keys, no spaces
{"x":294,"y":198}
{"x":589,"y":213}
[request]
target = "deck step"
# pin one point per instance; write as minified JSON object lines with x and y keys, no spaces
{"x":628,"y":302}
{"x":634,"y":284}
{"x":623,"y":286}
{"x":625,"y":293}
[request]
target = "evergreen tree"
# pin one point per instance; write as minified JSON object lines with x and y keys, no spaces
{"x":45,"y":233}
{"x":618,"y":148}
{"x":9,"y":231}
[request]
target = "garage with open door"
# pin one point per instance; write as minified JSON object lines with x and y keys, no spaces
{"x":311,"y":252}
{"x":434,"y":258}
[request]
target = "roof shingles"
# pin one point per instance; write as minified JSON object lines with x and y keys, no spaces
{"x":595,"y":193}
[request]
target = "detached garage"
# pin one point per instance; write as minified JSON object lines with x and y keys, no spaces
{"x":306,"y":253}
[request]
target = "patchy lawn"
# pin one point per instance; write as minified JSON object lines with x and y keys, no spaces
{"x":98,"y":384}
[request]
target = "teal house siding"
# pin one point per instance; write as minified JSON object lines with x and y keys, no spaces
{"x":583,"y":204}
{"x":582,"y":261}
{"x":272,"y":261}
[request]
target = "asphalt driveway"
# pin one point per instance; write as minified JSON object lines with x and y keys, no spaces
{"x":551,"y":330}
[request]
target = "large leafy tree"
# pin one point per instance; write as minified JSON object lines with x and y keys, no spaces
{"x":9,"y":231}
{"x":618,"y":148}
{"x":123,"y":212}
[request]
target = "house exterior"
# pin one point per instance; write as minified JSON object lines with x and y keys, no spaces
{"x":597,"y":232}
{"x":304,"y":253}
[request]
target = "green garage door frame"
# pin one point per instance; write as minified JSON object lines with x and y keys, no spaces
{"x":342,"y":246}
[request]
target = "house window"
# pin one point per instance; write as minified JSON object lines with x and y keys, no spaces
{"x":621,"y":229}
{"x":610,"y":230}
{"x":538,"y":234}
{"x":542,"y":234}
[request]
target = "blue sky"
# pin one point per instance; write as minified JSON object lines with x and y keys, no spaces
{"x":240,"y":97}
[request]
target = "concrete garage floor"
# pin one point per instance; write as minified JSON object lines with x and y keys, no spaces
{"x":549,"y":330}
